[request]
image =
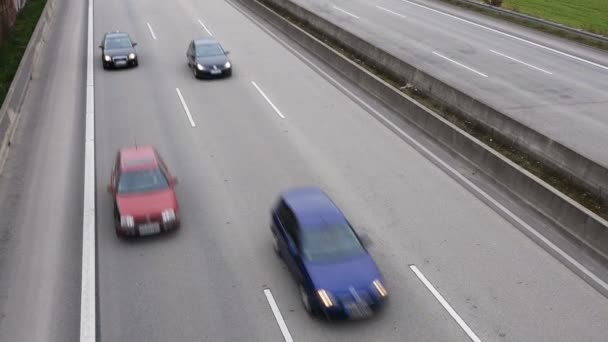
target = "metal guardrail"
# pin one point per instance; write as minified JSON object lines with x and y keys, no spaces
{"x":581,"y":33}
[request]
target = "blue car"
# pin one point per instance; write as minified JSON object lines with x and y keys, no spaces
{"x":337,"y":277}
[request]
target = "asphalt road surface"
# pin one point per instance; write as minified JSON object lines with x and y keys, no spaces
{"x":549,"y":84}
{"x":206,"y":282}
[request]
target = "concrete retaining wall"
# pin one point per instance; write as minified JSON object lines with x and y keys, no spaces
{"x":585,"y":172}
{"x":578,"y":222}
{"x":11,"y":107}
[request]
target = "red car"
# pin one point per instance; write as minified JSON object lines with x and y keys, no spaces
{"x":143,"y":191}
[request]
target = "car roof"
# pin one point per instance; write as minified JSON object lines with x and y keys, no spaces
{"x":205,"y":41}
{"x":138,"y":158}
{"x":312,"y":207}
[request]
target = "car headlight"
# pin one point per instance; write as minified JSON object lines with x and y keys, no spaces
{"x":127,"y":221}
{"x":326,"y":298}
{"x":227,"y":65}
{"x":200,"y":67}
{"x":107,"y":58}
{"x":168,"y":215}
{"x":131,"y":56}
{"x":380,"y":288}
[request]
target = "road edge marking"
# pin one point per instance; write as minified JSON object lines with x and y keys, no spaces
{"x":88,"y":290}
{"x":278,"y":316}
{"x":445,"y":304}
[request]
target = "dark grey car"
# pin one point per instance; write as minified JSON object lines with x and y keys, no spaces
{"x":118,"y":50}
{"x":207,"y":58}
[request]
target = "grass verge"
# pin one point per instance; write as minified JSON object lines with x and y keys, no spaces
{"x":588,"y":15}
{"x":533,"y":25}
{"x":551,"y":176}
{"x":12,"y":49}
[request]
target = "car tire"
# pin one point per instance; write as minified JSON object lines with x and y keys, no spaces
{"x":305,"y":299}
{"x":194,"y":72}
{"x":136,"y":63}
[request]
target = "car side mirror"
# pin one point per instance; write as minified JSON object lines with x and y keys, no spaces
{"x":174,"y":181}
{"x":110,"y":188}
{"x":227,"y":52}
{"x":101,"y":46}
{"x":134,"y":44}
{"x":365,"y":239}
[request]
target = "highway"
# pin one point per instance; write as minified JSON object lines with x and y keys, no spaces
{"x":278,"y":122}
{"x":552,"y":85}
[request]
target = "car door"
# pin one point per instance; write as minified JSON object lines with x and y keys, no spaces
{"x":291,"y":246}
{"x":190,"y":54}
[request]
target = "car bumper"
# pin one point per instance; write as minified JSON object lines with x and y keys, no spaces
{"x":120,"y":64}
{"x":351,"y":310}
{"x":148,"y":228}
{"x":211,"y":73}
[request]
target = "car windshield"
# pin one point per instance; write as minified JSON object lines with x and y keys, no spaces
{"x":118,"y":43}
{"x":142,"y":181}
{"x":333,"y":243}
{"x":208,"y":50}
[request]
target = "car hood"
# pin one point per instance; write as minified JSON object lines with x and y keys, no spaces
{"x":212,"y":60}
{"x":119,"y":52}
{"x":358,"y":272}
{"x":145,"y":204}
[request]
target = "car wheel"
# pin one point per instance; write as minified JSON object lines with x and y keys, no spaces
{"x":194,"y":72}
{"x":305,"y":299}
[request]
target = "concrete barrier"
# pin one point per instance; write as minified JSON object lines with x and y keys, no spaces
{"x":573,"y":219}
{"x":588,"y":174}
{"x":11,"y":107}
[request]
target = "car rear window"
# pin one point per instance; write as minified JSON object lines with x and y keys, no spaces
{"x":142,"y":181}
{"x":331,"y":243}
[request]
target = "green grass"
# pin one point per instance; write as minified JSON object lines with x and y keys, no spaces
{"x":588,"y":15}
{"x":12,"y":48}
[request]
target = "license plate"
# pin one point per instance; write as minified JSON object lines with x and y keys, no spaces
{"x":355,"y":311}
{"x":149,"y":228}
{"x":216,"y":72}
{"x":121,"y":63}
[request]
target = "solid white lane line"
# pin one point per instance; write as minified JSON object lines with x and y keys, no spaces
{"x":477,"y":191}
{"x":524,"y":63}
{"x":391,"y":12}
{"x":460,"y":64}
{"x":346,"y":12}
{"x":278,"y":316}
{"x":512,"y":36}
{"x":151,"y":31}
{"x":268,"y":100}
{"x":88,"y":320}
{"x":181,"y":98}
{"x":205,"y":27}
{"x":445,"y":304}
